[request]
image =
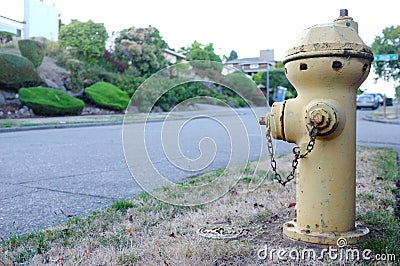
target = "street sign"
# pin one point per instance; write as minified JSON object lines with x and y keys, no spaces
{"x":386,"y":57}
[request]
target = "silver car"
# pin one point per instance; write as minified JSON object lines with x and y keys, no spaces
{"x":367,"y":101}
{"x":378,"y":96}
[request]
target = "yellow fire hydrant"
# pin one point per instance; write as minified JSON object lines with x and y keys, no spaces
{"x":326,"y":65}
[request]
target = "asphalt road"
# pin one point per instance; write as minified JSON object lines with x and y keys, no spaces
{"x":377,"y":134}
{"x":49,"y":175}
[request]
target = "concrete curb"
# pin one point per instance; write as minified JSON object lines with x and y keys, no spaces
{"x":385,"y":121}
{"x":57,"y":126}
{"x":181,"y":116}
{"x":74,"y":125}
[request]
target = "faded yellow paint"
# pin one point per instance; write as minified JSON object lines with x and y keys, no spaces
{"x":326,"y":66}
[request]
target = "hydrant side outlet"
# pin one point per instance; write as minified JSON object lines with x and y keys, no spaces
{"x":326,"y":65}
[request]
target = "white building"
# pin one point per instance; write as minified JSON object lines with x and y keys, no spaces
{"x":11,"y":25}
{"x":40,"y":20}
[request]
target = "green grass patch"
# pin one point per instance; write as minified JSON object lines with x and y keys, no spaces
{"x":384,"y":226}
{"x":108,"y":96}
{"x":245,"y":179}
{"x":385,"y":232}
{"x":387,"y":165}
{"x":366,"y":196}
{"x":47,"y":101}
{"x":391,"y":113}
{"x":7,"y":123}
{"x":122,"y":205}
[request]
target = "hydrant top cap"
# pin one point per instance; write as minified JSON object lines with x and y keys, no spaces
{"x":333,"y":39}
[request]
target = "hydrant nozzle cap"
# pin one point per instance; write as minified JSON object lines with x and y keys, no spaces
{"x":344,"y":14}
{"x":333,"y":39}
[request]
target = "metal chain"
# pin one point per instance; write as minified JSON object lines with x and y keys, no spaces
{"x":296,"y":151}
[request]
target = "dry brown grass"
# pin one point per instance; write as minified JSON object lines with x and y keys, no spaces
{"x":156,"y":233}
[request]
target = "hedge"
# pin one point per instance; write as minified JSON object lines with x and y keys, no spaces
{"x":47,"y":101}
{"x":106,"y":95}
{"x":17,"y":72}
{"x":33,"y":50}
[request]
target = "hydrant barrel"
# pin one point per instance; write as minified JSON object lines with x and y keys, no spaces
{"x":326,"y":65}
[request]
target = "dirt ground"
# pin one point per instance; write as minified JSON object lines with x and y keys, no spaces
{"x":150,"y":231}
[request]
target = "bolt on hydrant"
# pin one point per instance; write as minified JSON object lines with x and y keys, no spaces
{"x":326,"y":65}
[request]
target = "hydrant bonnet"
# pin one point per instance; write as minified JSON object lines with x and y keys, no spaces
{"x":334,"y":39}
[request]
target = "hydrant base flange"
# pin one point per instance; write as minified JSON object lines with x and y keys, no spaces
{"x":292,"y":231}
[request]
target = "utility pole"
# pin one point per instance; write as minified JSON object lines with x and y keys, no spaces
{"x":267,"y":85}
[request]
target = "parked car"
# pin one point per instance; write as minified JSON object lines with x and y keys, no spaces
{"x":378,"y":96}
{"x":367,"y":101}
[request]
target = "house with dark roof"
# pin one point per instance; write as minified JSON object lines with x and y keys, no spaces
{"x":252,"y":65}
{"x":173,"y":57}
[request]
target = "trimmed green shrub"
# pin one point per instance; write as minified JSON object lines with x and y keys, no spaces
{"x":47,"y":101}
{"x":91,"y":74}
{"x":33,"y":50}
{"x":17,"y":72}
{"x":108,"y":96}
{"x":75,"y":67}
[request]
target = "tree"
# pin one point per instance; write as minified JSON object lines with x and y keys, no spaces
{"x":277,"y":77}
{"x":142,"y":49}
{"x":87,"y":39}
{"x":197,"y":51}
{"x":241,"y":84}
{"x":233,"y":55}
{"x":388,"y":43}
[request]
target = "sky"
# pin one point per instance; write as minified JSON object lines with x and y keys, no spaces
{"x":244,"y":26}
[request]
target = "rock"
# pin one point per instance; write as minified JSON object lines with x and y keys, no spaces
{"x":55,"y":77}
{"x":23,"y":111}
{"x":157,"y":109}
{"x":52,"y":84}
{"x":132,"y":109}
{"x":8,"y":97}
{"x":78,"y":94}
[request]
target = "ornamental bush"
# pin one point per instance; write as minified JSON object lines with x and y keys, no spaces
{"x":17,"y":72}
{"x":106,"y":95}
{"x":33,"y":50}
{"x":47,"y":101}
